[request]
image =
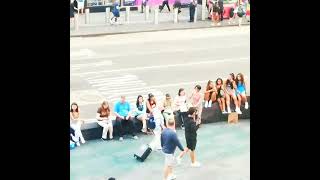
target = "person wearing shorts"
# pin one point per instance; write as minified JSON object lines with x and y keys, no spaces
{"x":169,"y":142}
{"x":241,"y":90}
{"x":191,"y":127}
{"x":230,"y":88}
{"x":141,"y":113}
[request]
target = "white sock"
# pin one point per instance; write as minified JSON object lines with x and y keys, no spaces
{"x":210,"y":103}
{"x":206,"y":104}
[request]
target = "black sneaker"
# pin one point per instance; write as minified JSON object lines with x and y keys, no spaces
{"x":103,"y":139}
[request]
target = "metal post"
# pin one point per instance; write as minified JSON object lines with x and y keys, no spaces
{"x":195,"y":14}
{"x":87,"y":11}
{"x":127,"y":14}
{"x":147,"y":12}
{"x":156,"y":16}
{"x":107,"y":15}
{"x":203,"y":14}
{"x":175,"y":15}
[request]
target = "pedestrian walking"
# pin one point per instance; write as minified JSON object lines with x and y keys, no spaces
{"x":192,"y":9}
{"x":221,"y":9}
{"x":165,"y":3}
{"x":169,"y":142}
{"x":191,"y":127}
{"x":115,"y":12}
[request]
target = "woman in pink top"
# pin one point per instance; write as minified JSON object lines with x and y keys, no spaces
{"x":196,"y":101}
{"x":180,"y":106}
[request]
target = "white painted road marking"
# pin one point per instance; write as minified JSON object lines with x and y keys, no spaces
{"x":164,"y":66}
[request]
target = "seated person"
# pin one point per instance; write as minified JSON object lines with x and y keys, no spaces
{"x":123,"y":118}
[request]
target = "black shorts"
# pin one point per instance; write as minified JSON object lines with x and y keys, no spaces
{"x":191,"y":144}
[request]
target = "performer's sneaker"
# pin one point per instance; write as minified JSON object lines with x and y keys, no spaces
{"x":196,"y":164}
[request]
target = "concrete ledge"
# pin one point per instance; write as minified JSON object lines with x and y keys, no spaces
{"x":92,"y":130}
{"x":148,"y":30}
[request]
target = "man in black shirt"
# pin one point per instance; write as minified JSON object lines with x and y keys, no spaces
{"x":191,"y":127}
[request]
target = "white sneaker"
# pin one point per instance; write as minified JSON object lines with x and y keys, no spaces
{"x":238,"y":111}
{"x":224,"y":112}
{"x":121,"y":139}
{"x":219,"y":24}
{"x":135,"y":137}
{"x":229,"y":110}
{"x":111,"y":137}
{"x":210,"y":103}
{"x":82,"y":140}
{"x":172,"y":177}
{"x":74,"y":138}
{"x":78,"y":144}
{"x":196,"y":164}
{"x":206,"y":104}
{"x":246,"y":105}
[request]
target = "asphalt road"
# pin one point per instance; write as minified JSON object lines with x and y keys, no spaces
{"x":154,"y":62}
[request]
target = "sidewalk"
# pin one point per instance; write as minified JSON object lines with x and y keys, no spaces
{"x":137,"y":23}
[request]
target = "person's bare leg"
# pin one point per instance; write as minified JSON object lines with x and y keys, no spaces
{"x":111,"y":131}
{"x":234,"y":97}
{"x":220,"y":104}
{"x":239,"y":100}
{"x":228,"y":103}
{"x":223,"y":104}
{"x":192,"y":156}
{"x":166,"y":172}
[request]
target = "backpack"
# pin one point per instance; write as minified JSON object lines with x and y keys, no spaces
{"x":151,"y":123}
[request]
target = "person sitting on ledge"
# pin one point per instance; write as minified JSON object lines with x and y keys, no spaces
{"x":103,"y":117}
{"x":124,"y":118}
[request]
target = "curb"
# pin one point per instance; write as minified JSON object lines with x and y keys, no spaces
{"x":153,"y":30}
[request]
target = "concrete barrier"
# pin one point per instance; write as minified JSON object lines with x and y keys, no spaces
{"x":92,"y":130}
{"x":87,"y":18}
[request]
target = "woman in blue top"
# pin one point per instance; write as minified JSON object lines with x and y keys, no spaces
{"x":241,"y":90}
{"x":141,"y":113}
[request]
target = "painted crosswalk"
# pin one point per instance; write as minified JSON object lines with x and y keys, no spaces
{"x":128,"y":85}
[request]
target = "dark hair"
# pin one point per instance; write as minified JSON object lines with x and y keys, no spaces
{"x":150,"y":95}
{"x":207,"y":88}
{"x":77,"y":110}
{"x":218,"y":80}
{"x":137,"y":103}
{"x":242,"y":78}
{"x":228,"y":81}
{"x":167,"y":95}
{"x":192,"y":110}
{"x":180,"y":90}
{"x":112,"y":178}
{"x":198,"y":87}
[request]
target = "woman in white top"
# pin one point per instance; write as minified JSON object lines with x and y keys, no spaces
{"x":180,"y":106}
{"x":75,"y":124}
{"x":103,"y":117}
